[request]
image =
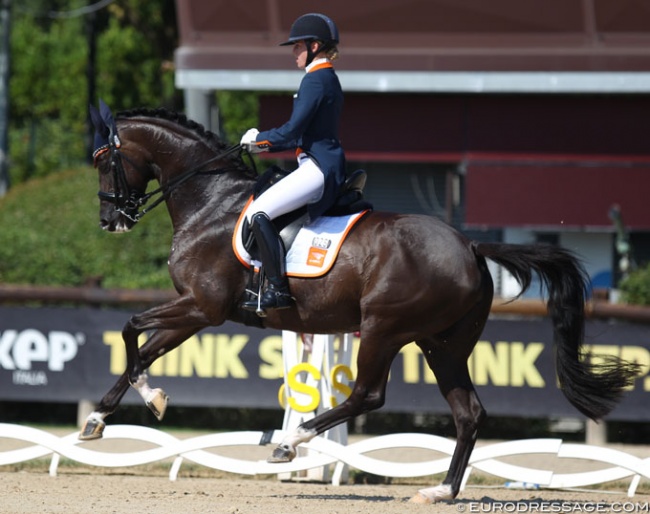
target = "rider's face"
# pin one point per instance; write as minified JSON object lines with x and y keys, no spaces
{"x":300,"y":53}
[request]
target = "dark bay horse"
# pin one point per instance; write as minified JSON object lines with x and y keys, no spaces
{"x":398,"y":279}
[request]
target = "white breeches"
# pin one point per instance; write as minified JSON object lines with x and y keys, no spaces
{"x":299,"y":188}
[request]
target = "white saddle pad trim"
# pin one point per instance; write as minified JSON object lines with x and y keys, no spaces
{"x":315,"y":248}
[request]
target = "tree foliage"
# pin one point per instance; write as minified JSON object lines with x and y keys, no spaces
{"x":239,"y":111}
{"x":51,"y":65}
{"x":635,"y":288}
{"x":49,"y":231}
{"x":135,"y":51}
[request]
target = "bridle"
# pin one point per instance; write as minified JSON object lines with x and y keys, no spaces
{"x":130,"y":202}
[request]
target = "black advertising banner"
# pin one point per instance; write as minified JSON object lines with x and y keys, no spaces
{"x":513,"y":370}
{"x":68,"y":355}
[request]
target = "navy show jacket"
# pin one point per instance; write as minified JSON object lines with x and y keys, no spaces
{"x":314,"y":129}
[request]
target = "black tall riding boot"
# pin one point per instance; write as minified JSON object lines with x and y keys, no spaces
{"x":272,"y":254}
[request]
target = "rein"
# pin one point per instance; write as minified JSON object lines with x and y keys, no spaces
{"x":131,"y":203}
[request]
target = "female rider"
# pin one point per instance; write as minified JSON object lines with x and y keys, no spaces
{"x":313,"y":131}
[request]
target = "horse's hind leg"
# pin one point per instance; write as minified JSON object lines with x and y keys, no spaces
{"x":373,"y":363}
{"x":447,"y":355}
{"x":468,"y":413}
{"x":160,"y":343}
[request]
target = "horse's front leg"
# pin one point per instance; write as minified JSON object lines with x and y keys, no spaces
{"x":93,"y":427}
{"x":180,"y":314}
{"x":155,"y":399}
{"x":174,"y":322}
{"x":160,"y":343}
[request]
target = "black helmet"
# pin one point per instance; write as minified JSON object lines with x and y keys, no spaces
{"x":313,"y":26}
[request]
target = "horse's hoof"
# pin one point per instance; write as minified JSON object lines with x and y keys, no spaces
{"x":157,"y":403}
{"x":441,"y":492}
{"x":421,"y":499}
{"x":283,"y":453}
{"x":93,"y":429}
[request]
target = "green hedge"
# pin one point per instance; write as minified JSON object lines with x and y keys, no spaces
{"x":635,"y":288}
{"x":50,"y":235}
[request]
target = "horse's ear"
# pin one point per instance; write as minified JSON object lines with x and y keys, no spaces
{"x":107,"y":116}
{"x":96,"y":119}
{"x":102,"y":132}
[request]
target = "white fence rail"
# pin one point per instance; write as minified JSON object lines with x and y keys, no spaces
{"x":203,"y":450}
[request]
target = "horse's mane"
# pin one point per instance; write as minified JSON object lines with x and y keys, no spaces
{"x":180,"y":119}
{"x":174,"y":117}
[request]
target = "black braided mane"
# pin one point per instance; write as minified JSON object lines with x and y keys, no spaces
{"x":180,"y":119}
{"x":177,"y":118}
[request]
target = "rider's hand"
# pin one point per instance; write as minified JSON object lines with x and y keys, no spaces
{"x":248,"y":141}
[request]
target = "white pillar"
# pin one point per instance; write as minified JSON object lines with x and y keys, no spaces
{"x":200,"y":107}
{"x":313,"y":365}
{"x":596,"y":433}
{"x":84,"y":408}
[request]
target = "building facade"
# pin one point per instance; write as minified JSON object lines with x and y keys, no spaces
{"x":514,"y":121}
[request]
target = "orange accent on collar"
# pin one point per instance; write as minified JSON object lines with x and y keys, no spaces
{"x":321,"y":66}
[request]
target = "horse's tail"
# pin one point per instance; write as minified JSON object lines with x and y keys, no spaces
{"x":593,"y":389}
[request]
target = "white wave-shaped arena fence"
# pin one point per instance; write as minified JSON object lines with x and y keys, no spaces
{"x":313,"y":362}
{"x":323,"y":452}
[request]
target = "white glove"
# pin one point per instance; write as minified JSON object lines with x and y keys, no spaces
{"x":248,"y":141}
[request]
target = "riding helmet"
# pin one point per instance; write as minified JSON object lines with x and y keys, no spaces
{"x":313,"y":26}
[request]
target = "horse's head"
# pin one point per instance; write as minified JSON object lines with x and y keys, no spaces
{"x":178,"y":153}
{"x":122,"y":178}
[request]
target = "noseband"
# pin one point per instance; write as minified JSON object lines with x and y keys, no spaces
{"x":127,"y":201}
